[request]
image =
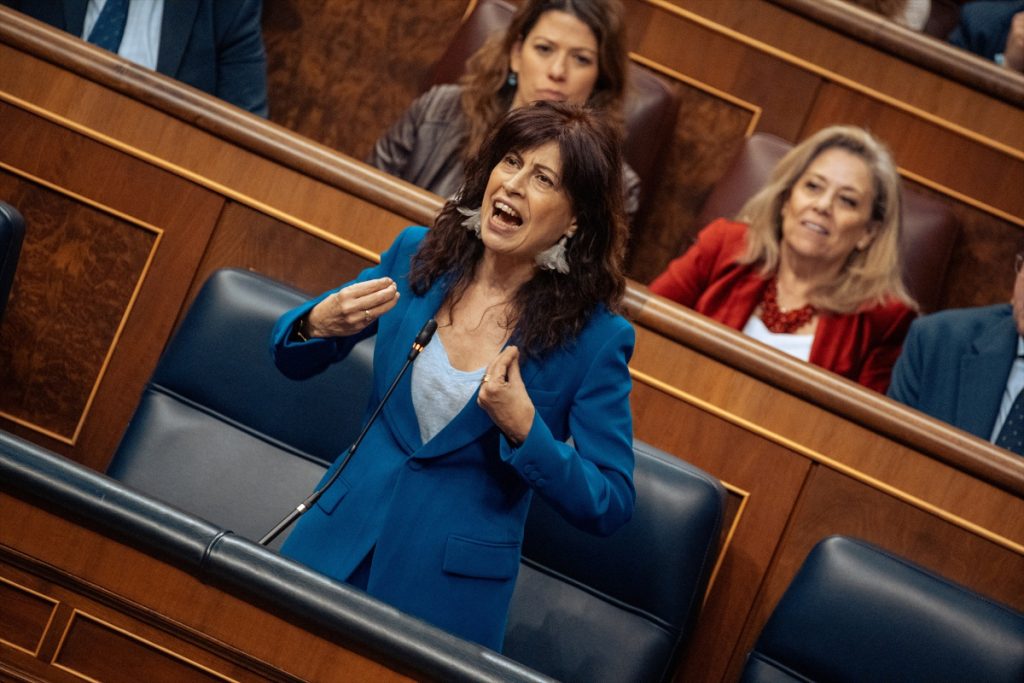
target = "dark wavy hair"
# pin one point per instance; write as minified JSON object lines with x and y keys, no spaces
{"x":551,"y":308}
{"x":486,"y":94}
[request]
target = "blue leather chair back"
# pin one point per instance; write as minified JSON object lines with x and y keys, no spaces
{"x":12,"y":233}
{"x":619,"y":608}
{"x":221,"y":433}
{"x":857,"y":613}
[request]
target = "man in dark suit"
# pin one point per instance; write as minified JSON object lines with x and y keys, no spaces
{"x":993,"y":29}
{"x":212,"y":45}
{"x":965,"y":366}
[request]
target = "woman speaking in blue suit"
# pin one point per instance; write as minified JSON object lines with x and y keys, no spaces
{"x":522,"y":271}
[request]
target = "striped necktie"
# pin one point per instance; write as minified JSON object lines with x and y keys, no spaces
{"x":1011,"y":434}
{"x":109,"y":26}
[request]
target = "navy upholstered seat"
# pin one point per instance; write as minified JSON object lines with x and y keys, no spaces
{"x":857,"y":613}
{"x":219,"y":431}
{"x":618,"y":608}
{"x":12,"y":233}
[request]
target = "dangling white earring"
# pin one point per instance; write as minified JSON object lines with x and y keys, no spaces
{"x":472,"y":222}
{"x":553,"y":258}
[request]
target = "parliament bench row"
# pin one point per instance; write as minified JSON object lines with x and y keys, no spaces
{"x":205,"y":441}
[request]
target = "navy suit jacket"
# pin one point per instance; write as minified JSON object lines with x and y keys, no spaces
{"x":445,"y":518}
{"x":984,"y":26}
{"x":955,"y":364}
{"x":212,"y":45}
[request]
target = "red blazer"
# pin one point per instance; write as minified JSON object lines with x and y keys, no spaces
{"x":862,"y":346}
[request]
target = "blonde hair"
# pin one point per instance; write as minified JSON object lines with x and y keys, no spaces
{"x":871,"y":275}
{"x":486,"y":94}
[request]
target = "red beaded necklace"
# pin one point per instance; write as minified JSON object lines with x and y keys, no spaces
{"x":777,"y":320}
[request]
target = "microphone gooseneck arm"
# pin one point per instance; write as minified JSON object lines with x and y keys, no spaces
{"x":422,"y":339}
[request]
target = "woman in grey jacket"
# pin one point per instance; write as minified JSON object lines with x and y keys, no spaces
{"x":562,"y":50}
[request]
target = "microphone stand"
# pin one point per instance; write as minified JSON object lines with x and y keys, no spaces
{"x":422,"y":339}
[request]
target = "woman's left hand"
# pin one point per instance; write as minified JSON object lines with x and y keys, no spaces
{"x":503,"y":396}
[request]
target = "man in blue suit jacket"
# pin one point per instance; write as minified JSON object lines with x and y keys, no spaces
{"x":956,"y":364}
{"x":212,"y":45}
{"x":985,"y":27}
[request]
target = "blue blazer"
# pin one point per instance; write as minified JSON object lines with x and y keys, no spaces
{"x":445,"y":519}
{"x":214,"y":46}
{"x":955,"y":363}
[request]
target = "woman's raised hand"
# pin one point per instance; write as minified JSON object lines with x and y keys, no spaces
{"x":351,"y":309}
{"x":503,"y":396}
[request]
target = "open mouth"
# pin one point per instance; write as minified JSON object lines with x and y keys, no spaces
{"x":506,"y":216}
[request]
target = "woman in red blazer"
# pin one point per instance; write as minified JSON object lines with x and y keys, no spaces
{"x":813,"y":269}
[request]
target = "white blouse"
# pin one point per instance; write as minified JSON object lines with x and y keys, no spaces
{"x":798,"y":345}
{"x":439,"y":391}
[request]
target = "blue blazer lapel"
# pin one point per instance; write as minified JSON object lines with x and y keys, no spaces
{"x":175,"y":31}
{"x":471,"y":422}
{"x":469,"y":425}
{"x":983,"y":377}
{"x":399,"y":411}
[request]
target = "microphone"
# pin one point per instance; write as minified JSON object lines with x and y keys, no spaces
{"x":422,"y":339}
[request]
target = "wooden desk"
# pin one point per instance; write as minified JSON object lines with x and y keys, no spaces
{"x":99,"y":582}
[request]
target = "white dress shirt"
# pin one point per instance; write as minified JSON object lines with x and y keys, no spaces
{"x":1014,"y":385}
{"x":141,"y":40}
{"x":798,"y":345}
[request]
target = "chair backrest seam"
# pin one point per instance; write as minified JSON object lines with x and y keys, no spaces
{"x":206,"y":410}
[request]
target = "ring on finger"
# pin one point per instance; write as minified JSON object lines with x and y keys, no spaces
{"x":366,"y":315}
